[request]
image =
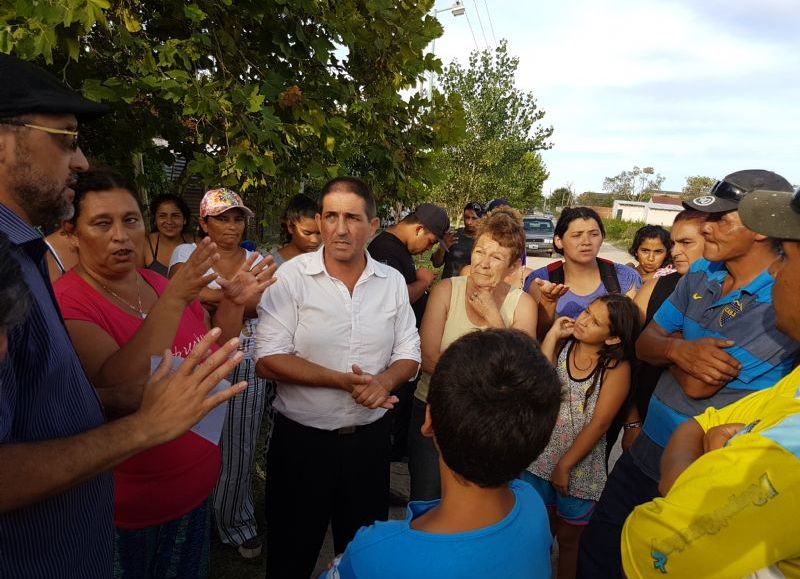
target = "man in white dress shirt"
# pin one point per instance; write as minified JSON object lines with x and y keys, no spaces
{"x":337,"y":333}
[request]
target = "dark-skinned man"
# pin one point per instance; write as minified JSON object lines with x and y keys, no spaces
{"x":731,"y":476}
{"x":717,"y":333}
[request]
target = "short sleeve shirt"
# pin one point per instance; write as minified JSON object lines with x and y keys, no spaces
{"x":517,"y":547}
{"x":387,"y":248}
{"x":734,"y":511}
{"x":44,"y":394}
{"x":167,"y":481}
{"x":572,"y":304}
{"x":699,"y":310}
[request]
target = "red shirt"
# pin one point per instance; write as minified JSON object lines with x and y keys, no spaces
{"x":166,"y":481}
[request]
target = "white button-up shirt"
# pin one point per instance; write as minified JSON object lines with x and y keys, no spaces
{"x":310,"y":314}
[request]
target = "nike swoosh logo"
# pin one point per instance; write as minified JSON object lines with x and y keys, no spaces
{"x":696,"y":296}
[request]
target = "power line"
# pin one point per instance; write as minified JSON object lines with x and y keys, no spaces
{"x":480,"y":22}
{"x":472,"y":31}
{"x":491,"y":26}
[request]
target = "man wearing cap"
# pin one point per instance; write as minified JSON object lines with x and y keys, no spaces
{"x":731,"y":476}
{"x":337,"y":333}
{"x":717,"y":333}
{"x":455,"y":250}
{"x":55,"y":450}
{"x":397,"y":245}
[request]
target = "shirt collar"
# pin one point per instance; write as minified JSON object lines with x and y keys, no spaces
{"x":316,"y":265}
{"x":15,"y":228}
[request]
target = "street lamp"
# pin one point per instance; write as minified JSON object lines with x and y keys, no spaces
{"x":457,"y":9}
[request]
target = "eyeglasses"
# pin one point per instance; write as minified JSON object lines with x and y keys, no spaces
{"x":725,"y":190}
{"x":72,"y":145}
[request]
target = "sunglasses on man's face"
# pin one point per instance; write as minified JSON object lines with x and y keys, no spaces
{"x":70,"y":144}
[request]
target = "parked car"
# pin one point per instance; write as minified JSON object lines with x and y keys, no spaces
{"x":538,"y":235}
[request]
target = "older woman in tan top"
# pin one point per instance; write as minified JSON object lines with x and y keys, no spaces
{"x":459,"y":305}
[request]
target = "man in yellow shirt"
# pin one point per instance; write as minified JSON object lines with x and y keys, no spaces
{"x":730,"y":478}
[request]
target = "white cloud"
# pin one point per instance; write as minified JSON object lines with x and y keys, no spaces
{"x":690,"y":88}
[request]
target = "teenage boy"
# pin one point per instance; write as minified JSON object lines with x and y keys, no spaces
{"x":731,"y":477}
{"x":492,"y":405}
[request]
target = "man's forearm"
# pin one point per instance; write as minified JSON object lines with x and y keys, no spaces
{"x":34,"y":471}
{"x":684,"y":447}
{"x":437,"y":257}
{"x":297,"y":370}
{"x":654,"y":348}
{"x":399,"y":373}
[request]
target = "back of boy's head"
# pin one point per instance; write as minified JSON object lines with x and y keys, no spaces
{"x":493,"y":400}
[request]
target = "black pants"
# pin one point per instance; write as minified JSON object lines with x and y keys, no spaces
{"x":627,"y":487}
{"x":318,"y":476}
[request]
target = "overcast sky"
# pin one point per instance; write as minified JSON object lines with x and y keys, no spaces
{"x":689,"y":87}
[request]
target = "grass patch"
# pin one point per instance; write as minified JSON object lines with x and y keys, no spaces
{"x":620,"y":233}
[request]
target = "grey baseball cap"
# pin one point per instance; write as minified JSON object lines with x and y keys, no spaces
{"x":726,"y":194}
{"x":772,"y":213}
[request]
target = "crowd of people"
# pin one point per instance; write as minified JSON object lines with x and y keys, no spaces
{"x":139,"y":368}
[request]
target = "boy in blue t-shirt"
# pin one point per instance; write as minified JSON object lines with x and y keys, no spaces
{"x":492,"y":405}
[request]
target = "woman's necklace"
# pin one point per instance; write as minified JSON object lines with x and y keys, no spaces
{"x":139,"y":310}
{"x":575,"y":359}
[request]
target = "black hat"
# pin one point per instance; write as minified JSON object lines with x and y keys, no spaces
{"x":726,"y":195}
{"x":434,"y":218}
{"x":25,"y":88}
{"x":772,"y":213}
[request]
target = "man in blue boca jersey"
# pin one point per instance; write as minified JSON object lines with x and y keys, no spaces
{"x":718,"y":336}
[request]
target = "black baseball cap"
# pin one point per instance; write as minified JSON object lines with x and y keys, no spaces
{"x":434,"y":218}
{"x":772,"y":213}
{"x":726,"y":195}
{"x":25,"y":88}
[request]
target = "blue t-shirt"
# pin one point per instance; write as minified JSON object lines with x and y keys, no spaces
{"x":699,"y":310}
{"x":516,"y":547}
{"x":572,"y":304}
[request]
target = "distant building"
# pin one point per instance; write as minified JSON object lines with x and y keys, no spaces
{"x":660,"y":211}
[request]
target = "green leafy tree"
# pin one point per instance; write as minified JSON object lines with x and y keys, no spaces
{"x":562,"y":196}
{"x":637,"y":184}
{"x":262,"y":96}
{"x":499,"y":155}
{"x":593,"y":199}
{"x":697,"y":185}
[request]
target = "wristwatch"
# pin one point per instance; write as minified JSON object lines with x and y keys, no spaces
{"x":630,"y":425}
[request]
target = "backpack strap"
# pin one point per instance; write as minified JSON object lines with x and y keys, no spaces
{"x":608,"y":275}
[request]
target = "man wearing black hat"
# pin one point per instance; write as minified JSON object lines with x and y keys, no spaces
{"x":395,"y":247}
{"x":55,"y":450}
{"x":739,"y":466}
{"x":717,"y":334}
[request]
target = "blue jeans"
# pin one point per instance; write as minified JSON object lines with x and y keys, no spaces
{"x":423,"y":459}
